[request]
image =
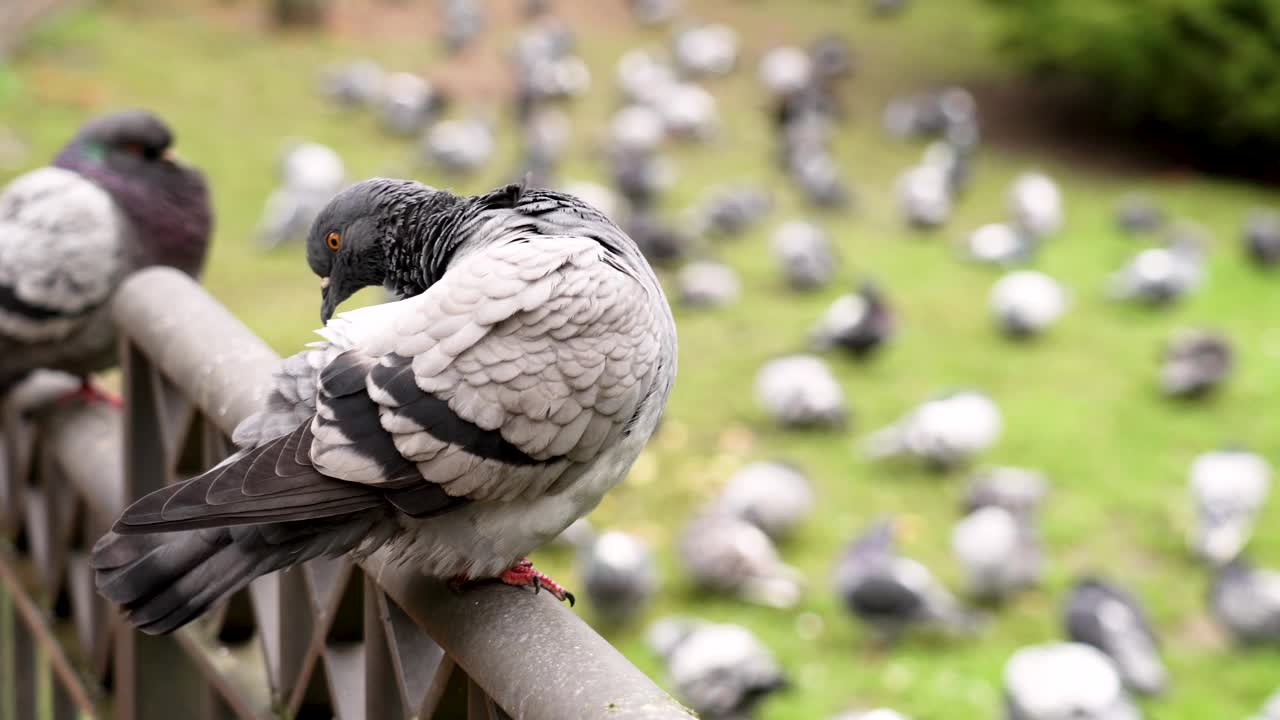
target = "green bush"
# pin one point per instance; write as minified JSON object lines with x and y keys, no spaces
{"x":1208,"y":69}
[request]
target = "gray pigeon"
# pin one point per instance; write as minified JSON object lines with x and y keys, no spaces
{"x":924,"y":196}
{"x":707,"y":284}
{"x":689,"y":112}
{"x":799,"y":391}
{"x":1099,"y":613}
{"x":455,"y":431}
{"x":112,"y":201}
{"x":1195,"y":363}
{"x":1228,"y":488}
{"x":353,"y":84}
{"x":458,"y":147}
{"x":462,"y":20}
{"x":664,"y":243}
{"x":1035,"y":205}
{"x":891,"y":593}
{"x":999,"y":553}
{"x":1262,"y":237}
{"x":310,"y":175}
{"x":643,"y":74}
{"x":774,"y":496}
{"x":545,"y":134}
{"x":731,"y":210}
{"x":817,"y":174}
{"x":804,"y":254}
{"x":654,"y":12}
{"x":1026,"y":303}
{"x":618,"y":574}
{"x":1138,"y":214}
{"x":1064,"y":681}
{"x":407,"y":104}
{"x":858,"y":323}
{"x":1246,"y":600}
{"x":722,"y":671}
{"x":1162,"y":275}
{"x":1018,"y":490}
{"x":636,"y":128}
{"x":943,"y":432}
{"x":709,"y":50}
{"x":724,"y":554}
{"x":999,"y":244}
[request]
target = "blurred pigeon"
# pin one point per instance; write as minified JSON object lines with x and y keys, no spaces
{"x":463,"y":20}
{"x":1099,"y":613}
{"x":1017,"y":490}
{"x":640,"y":177}
{"x":1246,"y":600}
{"x":354,"y":84}
{"x":653,"y":12}
{"x":785,"y":70}
{"x":407,"y":104}
{"x":381,"y":461}
{"x":876,"y":714}
{"x":1262,"y":237}
{"x":730,"y":210}
{"x":721,"y":671}
{"x":1064,"y":681}
{"x":706,"y":50}
{"x":618,"y":574}
{"x":774,"y":496}
{"x":924,"y":196}
{"x":1195,"y":363}
{"x":1160,"y":275}
{"x":460,"y":147}
{"x":943,"y":432}
{"x":663,"y":243}
{"x":832,"y":58}
{"x":688,"y":112}
{"x":931,"y":114}
{"x":1035,"y":205}
{"x":1228,"y":488}
{"x":643,"y":75}
{"x":799,"y":391}
{"x":704,"y":283}
{"x":887,"y":8}
{"x":858,"y":323}
{"x":804,"y":252}
{"x":545,"y":135}
{"x":1138,"y":214}
{"x":310,"y":175}
{"x":998,"y":552}
{"x":999,"y":244}
{"x":112,"y":201}
{"x":724,"y":554}
{"x":891,"y":593}
{"x":636,"y":129}
{"x":578,"y":535}
{"x":953,"y":158}
{"x":819,"y":180}
{"x":1025,"y":303}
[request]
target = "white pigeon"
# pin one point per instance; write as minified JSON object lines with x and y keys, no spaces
{"x":999,"y":244}
{"x":619,"y":575}
{"x":998,"y":553}
{"x":1228,"y":488}
{"x":460,"y":147}
{"x":1161,"y":275}
{"x":799,"y":391}
{"x":1064,"y":681}
{"x":707,"y":284}
{"x":924,"y":196}
{"x":1035,"y":205}
{"x":785,"y":70}
{"x":724,"y":554}
{"x":710,"y":49}
{"x":1026,"y":303}
{"x":804,"y":254}
{"x":943,"y":432}
{"x":721,"y":671}
{"x":774,"y":496}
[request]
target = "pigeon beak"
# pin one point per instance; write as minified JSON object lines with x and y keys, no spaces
{"x":328,"y":303}
{"x":171,"y":155}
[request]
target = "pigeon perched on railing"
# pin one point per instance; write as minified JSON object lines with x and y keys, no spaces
{"x":724,"y":554}
{"x":1246,"y":600}
{"x":112,"y":201}
{"x":943,"y":432}
{"x":1195,"y":363}
{"x":799,"y":391}
{"x":804,"y":254}
{"x":1064,"y":681}
{"x":1261,"y":237}
{"x":310,"y":175}
{"x":774,"y":496}
{"x":999,"y":553}
{"x":721,"y":671}
{"x":1228,"y":489}
{"x":1026,"y":303}
{"x":454,"y":431}
{"x":618,"y":574}
{"x":1099,"y":613}
{"x":858,"y":323}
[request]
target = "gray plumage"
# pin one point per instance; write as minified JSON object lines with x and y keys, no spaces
{"x":455,"y":430}
{"x":731,"y":210}
{"x":463,"y":20}
{"x":110,"y":203}
{"x":1261,"y":237}
{"x":636,"y":128}
{"x":818,"y":177}
{"x":943,"y":432}
{"x":931,"y":114}
{"x":654,"y":12}
{"x":722,"y":671}
{"x":1162,"y":275}
{"x":1195,"y":363}
{"x":804,"y":254}
{"x":707,"y":284}
{"x":724,"y":554}
{"x":799,"y":391}
{"x":643,"y":74}
{"x":407,"y":103}
{"x":689,"y":112}
{"x":354,"y":84}
{"x":1018,"y":490}
{"x":619,"y":575}
{"x":924,"y":196}
{"x":1246,"y":601}
{"x":459,"y":147}
{"x":774,"y":496}
{"x":1228,"y":489}
{"x":858,"y":323}
{"x":1099,"y":613}
{"x":310,"y":175}
{"x":1064,"y":681}
{"x":706,"y":50}
{"x":640,"y":177}
{"x":666,"y":243}
{"x":999,"y":553}
{"x":1026,"y":303}
{"x":785,"y":70}
{"x":1138,"y":214}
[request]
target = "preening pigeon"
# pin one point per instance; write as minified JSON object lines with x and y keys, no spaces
{"x":1246,"y":600}
{"x":943,"y":432}
{"x":706,"y":284}
{"x":1228,"y":488}
{"x":1262,"y":237}
{"x":1025,"y":303}
{"x":1035,"y":205}
{"x":891,"y":593}
{"x":998,"y":551}
{"x":1064,"y":681}
{"x":804,"y":254}
{"x":1195,"y":363}
{"x":1017,"y":490}
{"x":310,"y":175}
{"x":112,"y":201}
{"x":722,"y":671}
{"x":858,"y":323}
{"x":722,"y":553}
{"x":774,"y":496}
{"x":799,"y":391}
{"x":1099,"y":613}
{"x":618,"y":574}
{"x":455,"y":430}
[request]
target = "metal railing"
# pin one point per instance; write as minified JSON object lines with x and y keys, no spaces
{"x":327,"y":640}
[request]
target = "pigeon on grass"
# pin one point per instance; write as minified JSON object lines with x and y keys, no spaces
{"x":455,"y":430}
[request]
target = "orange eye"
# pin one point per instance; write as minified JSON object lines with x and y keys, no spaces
{"x":133,"y":148}
{"x":334,"y":241}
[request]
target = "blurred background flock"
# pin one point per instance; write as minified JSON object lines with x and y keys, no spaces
{"x":979,"y":346}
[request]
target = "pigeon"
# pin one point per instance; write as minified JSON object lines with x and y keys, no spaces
{"x":954,"y":158}
{"x":858,"y":323}
{"x":774,"y":496}
{"x":640,"y":177}
{"x":1246,"y":600}
{"x":654,"y":12}
{"x":876,"y":714}
{"x":1228,"y":488}
{"x":724,"y":554}
{"x":706,"y":50}
{"x":688,"y":112}
{"x":804,"y":253}
{"x":1262,"y":237}
{"x":460,"y":147}
{"x":643,"y":75}
{"x":707,"y":284}
{"x":932,"y":114}
{"x":1018,"y":490}
{"x":636,"y":128}
{"x":721,"y":671}
{"x":799,"y":391}
{"x":730,"y":210}
{"x":999,"y":244}
{"x":818,"y":177}
{"x":1064,"y":681}
{"x":113,"y":200}
{"x":924,"y":196}
{"x":463,"y":20}
{"x":1138,"y":214}
{"x":1035,"y":205}
{"x":310,"y":175}
{"x":1098,"y":613}
{"x":353,"y":84}
{"x":1161,"y":275}
{"x":453,"y":431}
{"x":664,"y":244}
{"x":832,"y":58}
{"x":998,"y":552}
{"x":546,"y":69}
{"x":785,"y":70}
{"x":619,"y":576}
{"x":407,"y":104}
{"x":1025,"y":303}
{"x":545,"y":134}
{"x":891,"y":593}
{"x":1195,"y":363}
{"x":943,"y":432}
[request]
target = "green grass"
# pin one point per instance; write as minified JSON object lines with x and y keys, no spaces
{"x":1080,"y":404}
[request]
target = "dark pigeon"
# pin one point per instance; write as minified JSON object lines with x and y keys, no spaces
{"x":1099,"y":613}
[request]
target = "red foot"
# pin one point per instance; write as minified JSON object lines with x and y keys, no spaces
{"x":90,"y":393}
{"x":523,"y":574}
